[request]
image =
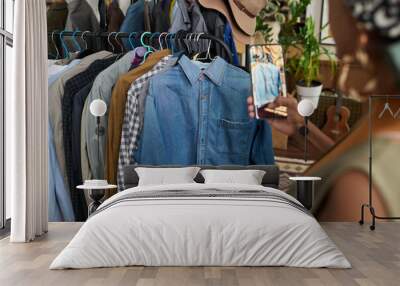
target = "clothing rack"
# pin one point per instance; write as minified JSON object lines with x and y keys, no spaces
{"x":369,"y":205}
{"x":181,"y":35}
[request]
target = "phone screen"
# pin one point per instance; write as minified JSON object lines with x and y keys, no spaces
{"x":266,"y":65}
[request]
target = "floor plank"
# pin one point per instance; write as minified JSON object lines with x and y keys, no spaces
{"x":375,"y":257}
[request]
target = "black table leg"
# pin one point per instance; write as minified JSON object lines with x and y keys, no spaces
{"x":305,"y":193}
{"x":96,"y":196}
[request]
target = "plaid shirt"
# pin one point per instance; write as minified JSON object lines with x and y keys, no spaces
{"x":132,"y":125}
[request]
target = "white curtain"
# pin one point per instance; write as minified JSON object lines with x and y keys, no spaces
{"x":26,"y":123}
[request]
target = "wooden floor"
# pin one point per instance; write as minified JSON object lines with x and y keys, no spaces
{"x":375,"y":257}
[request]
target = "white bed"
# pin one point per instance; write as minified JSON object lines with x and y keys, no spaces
{"x":249,"y":226}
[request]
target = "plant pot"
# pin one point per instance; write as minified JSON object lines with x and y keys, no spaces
{"x":312,"y":92}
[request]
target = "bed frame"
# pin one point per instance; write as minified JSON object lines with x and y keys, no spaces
{"x":271,"y":177}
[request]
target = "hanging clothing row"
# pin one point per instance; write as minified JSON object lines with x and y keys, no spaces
{"x":142,"y":15}
{"x":163,"y":108}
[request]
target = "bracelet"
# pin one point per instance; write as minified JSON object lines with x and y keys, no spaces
{"x":303,"y":131}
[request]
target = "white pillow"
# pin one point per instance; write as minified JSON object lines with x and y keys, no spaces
{"x":247,"y":177}
{"x":166,"y":176}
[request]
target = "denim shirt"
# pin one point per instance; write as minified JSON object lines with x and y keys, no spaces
{"x":267,"y":83}
{"x":133,"y":22}
{"x":60,"y":205}
{"x":200,"y":117}
{"x":59,"y":200}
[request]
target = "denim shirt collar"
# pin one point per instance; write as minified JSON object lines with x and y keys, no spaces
{"x":214,"y":70}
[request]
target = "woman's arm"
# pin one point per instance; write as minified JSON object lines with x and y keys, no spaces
{"x":348,"y":193}
{"x":317,"y":138}
{"x":294,"y":121}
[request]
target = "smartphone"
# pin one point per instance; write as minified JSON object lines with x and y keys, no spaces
{"x":266,"y":65}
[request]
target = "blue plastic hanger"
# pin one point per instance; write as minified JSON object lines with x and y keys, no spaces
{"x":169,"y":38}
{"x":130,"y":39}
{"x":142,"y":39}
{"x":153,"y":36}
{"x":76,"y":44}
{"x":64,"y":46}
{"x":148,"y":47}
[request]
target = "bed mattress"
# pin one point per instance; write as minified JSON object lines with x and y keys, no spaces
{"x":201,"y":225}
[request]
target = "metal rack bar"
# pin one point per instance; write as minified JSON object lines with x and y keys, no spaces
{"x":369,"y":205}
{"x":137,"y":35}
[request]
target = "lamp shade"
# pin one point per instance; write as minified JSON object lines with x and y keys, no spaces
{"x":305,"y":107}
{"x":98,"y":108}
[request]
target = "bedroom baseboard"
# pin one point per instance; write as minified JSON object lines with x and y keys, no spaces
{"x":5,"y":231}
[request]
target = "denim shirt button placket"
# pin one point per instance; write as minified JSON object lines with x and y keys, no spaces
{"x":201,"y":77}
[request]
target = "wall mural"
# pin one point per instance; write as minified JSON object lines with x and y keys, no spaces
{"x":171,"y":124}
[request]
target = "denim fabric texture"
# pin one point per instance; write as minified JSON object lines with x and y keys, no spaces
{"x":133,"y":22}
{"x":196,"y":113}
{"x":60,"y":205}
{"x":267,"y":83}
{"x":116,"y":111}
{"x":133,"y":120}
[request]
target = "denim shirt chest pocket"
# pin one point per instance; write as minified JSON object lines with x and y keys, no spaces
{"x":234,"y":128}
{"x":233,"y":137}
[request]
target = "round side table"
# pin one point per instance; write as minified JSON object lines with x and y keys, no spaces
{"x":96,"y":193}
{"x":305,"y":189}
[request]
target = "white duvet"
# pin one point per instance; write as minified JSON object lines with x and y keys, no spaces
{"x":200,"y":231}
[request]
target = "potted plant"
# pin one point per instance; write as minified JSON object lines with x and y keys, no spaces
{"x":295,"y":11}
{"x":305,"y":64}
{"x":270,"y":18}
{"x":301,"y":48}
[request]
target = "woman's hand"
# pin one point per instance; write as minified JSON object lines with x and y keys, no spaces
{"x":288,"y":126}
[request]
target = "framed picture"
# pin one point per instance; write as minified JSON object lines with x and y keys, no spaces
{"x":325,"y":31}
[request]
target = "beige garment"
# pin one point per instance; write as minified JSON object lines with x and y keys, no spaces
{"x":116,"y":111}
{"x":386,"y":157}
{"x":68,"y":60}
{"x":56,"y":92}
